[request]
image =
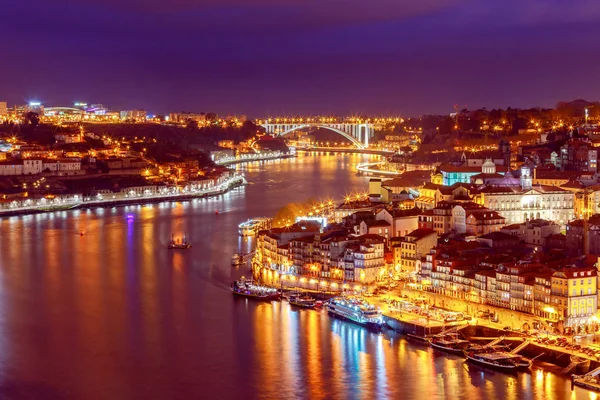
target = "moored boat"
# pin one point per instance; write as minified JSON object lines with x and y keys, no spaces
{"x":502,"y":361}
{"x":418,"y":338}
{"x":450,"y":343}
{"x":246,"y":288}
{"x":302,"y":301}
{"x":590,"y":381}
{"x":355,"y":310}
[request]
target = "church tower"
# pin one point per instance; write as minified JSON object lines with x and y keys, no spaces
{"x":488,"y":167}
{"x":504,"y":148}
{"x":526,"y":180}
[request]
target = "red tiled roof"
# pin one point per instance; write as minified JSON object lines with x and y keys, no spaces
{"x":421,"y":233}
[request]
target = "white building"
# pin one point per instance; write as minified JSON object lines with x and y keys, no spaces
{"x":400,"y":221}
{"x":62,"y":165}
{"x":520,"y":205}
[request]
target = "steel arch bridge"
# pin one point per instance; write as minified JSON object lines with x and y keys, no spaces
{"x":359,"y":134}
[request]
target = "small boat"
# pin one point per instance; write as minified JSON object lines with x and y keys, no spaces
{"x":235,"y":260}
{"x":502,"y":361}
{"x":590,"y":381}
{"x":246,"y":288}
{"x":418,"y":338}
{"x":178,"y":244}
{"x":355,"y":310}
{"x":449,"y":342}
{"x":302,"y":300}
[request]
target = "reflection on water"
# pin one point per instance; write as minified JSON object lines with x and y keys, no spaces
{"x":113,"y":314}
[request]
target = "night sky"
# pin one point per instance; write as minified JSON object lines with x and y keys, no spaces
{"x":267,"y":57}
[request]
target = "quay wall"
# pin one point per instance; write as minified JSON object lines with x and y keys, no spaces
{"x":120,"y":202}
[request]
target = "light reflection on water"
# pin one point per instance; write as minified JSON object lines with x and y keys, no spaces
{"x":114,"y":314}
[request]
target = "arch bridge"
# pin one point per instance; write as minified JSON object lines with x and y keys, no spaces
{"x":358,"y":133}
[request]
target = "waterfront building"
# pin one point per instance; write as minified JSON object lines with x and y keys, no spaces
{"x":364,"y":262}
{"x":332,"y":258}
{"x":574,"y":295}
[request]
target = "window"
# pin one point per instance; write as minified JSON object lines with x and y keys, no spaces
{"x":581,"y":282}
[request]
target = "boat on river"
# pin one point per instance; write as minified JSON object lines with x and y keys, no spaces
{"x":302,"y":300}
{"x":253,"y":226}
{"x":450,"y":343}
{"x":247,"y":288}
{"x":355,"y":310}
{"x":499,"y":360}
{"x":178,"y":244}
{"x":590,"y":381}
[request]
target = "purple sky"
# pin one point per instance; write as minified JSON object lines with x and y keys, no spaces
{"x":268,"y":57}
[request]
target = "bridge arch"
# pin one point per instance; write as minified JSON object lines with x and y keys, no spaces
{"x":340,"y":132}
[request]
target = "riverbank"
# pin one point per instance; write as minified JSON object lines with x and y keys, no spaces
{"x":344,"y":150}
{"x":371,"y":169}
{"x":252,"y":158}
{"x":79,"y":202}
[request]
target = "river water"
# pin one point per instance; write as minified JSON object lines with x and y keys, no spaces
{"x":115,"y":315}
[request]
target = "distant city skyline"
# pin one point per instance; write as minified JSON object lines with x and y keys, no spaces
{"x":256,"y":58}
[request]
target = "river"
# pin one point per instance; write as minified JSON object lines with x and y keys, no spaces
{"x":115,"y":315}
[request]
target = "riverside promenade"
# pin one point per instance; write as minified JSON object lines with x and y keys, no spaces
{"x":244,"y":158}
{"x":75,"y":201}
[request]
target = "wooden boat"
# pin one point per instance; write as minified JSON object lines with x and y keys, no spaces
{"x":502,"y":361}
{"x":450,"y":343}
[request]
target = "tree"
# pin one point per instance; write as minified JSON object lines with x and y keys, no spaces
{"x":191,"y":124}
{"x":32,"y":118}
